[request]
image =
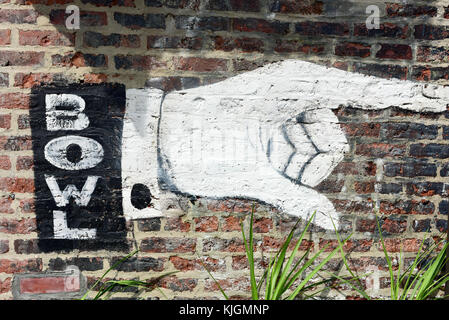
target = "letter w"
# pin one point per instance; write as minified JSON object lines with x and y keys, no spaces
{"x":62,"y":198}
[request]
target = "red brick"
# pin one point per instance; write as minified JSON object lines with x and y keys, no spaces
{"x":394,"y":51}
{"x":176,"y":224}
{"x":242,"y":44}
{"x":239,"y":284}
{"x":353,"y":49}
{"x":364,"y":187}
{"x":14,"y":100}
{"x":5,"y":204}
{"x":231,"y":206}
{"x":5,"y":121}
{"x":18,"y":16}
{"x":158,"y":244}
{"x":356,"y":168}
{"x":398,"y":245}
{"x":18,"y":266}
{"x":177,"y":284}
{"x":359,"y":245}
{"x":307,"y":7}
{"x":19,"y":185}
{"x":371,"y":129}
{"x":23,"y":226}
{"x":27,"y":205}
{"x":29,"y":80}
{"x":5,"y":163}
{"x":200,"y":64}
{"x":5,"y":37}
{"x":231,"y":223}
{"x":95,"y":78}
{"x":5,"y":285}
{"x":262,"y":225}
{"x":184,"y":264}
{"x":380,"y":150}
{"x":260,"y":25}
{"x":206,"y":224}
{"x":24,"y":163}
{"x":24,"y":58}
{"x":276,"y":243}
{"x":46,"y":38}
{"x":298,"y":46}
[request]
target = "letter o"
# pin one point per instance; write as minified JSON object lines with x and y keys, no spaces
{"x":92,"y":153}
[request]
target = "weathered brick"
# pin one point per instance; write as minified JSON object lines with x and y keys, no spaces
{"x":5,"y":121}
{"x":24,"y":58}
{"x":14,"y":100}
{"x":12,"y":266}
{"x":239,"y":284}
{"x":443,"y":207}
{"x":5,"y":162}
{"x":353,"y":49}
{"x":407,"y":207}
{"x":371,"y":129}
{"x":153,"y":224}
{"x":401,"y":245}
{"x":206,"y":224}
{"x":138,"y":62}
{"x":5,"y":37}
{"x":19,"y":185}
{"x":441,"y":225}
{"x":231,"y":223}
{"x":202,"y":23}
{"x":308,"y":7}
{"x":427,"y":189}
{"x":176,"y":224}
{"x":140,"y":264}
{"x":173,"y":83}
{"x":431,"y":150}
{"x":358,"y":245}
{"x":78,"y":59}
{"x":380,"y":150}
{"x":234,"y":5}
{"x":431,"y":32}
{"x":410,"y":169}
{"x":310,"y":28}
{"x":30,"y":246}
{"x":409,"y":10}
{"x":138,"y":21}
{"x":158,"y":244}
{"x":95,"y":78}
{"x":22,"y":226}
{"x":4,"y":79}
{"x":260,"y":25}
{"x":87,"y":18}
{"x":200,"y":64}
{"x":387,"y":188}
{"x":29,"y":80}
{"x":46,"y":38}
{"x":224,"y":245}
{"x":432,"y":54}
{"x":394,"y":51}
{"x":330,"y":185}
{"x":24,"y":163}
{"x":110,"y":3}
{"x":4,"y":246}
{"x":26,"y":16}
{"x":163,"y":42}
{"x":27,"y":205}
{"x":387,"y":30}
{"x":242,"y":44}
{"x":381,"y":70}
{"x":299,"y":46}
{"x":174,"y":4}
{"x":95,"y":40}
{"x":184,"y":264}
{"x":84,"y":264}
{"x":177,"y":284}
{"x":421,"y":225}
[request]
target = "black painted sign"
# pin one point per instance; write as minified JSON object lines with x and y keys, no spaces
{"x":77,"y":132}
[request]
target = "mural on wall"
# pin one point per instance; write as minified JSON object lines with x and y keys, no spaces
{"x":76,"y":134}
{"x":268,"y":135}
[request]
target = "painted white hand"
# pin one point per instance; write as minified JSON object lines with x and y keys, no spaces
{"x":268,"y":134}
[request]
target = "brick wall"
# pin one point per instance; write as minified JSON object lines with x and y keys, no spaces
{"x":396,"y":164}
